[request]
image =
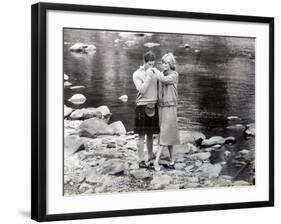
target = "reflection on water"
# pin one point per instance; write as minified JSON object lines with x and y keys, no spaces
{"x":214,"y":83}
{"x":216,"y":76}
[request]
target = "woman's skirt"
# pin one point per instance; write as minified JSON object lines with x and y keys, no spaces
{"x":169,"y":134}
{"x":145,"y":124}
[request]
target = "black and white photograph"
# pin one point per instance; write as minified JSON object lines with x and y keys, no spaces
{"x":157,"y":111}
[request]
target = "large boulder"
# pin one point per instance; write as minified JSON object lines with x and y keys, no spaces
{"x":118,"y":127}
{"x":72,"y":144}
{"x":82,"y":48}
{"x":95,"y":126}
{"x":77,"y":99}
{"x":86,"y":113}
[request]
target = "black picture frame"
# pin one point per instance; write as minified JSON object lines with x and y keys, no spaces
{"x":39,"y":108}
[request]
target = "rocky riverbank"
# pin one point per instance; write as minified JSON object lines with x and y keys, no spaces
{"x":101,"y":157}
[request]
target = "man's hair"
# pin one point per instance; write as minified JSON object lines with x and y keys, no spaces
{"x":149,"y":56}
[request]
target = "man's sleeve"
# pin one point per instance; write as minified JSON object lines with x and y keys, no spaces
{"x":141,"y":85}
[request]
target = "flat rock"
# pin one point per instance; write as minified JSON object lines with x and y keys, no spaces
{"x":118,"y":127}
{"x":131,"y":145}
{"x":235,"y":127}
{"x":180,"y":166}
{"x":95,"y":126}
{"x":201,"y":156}
{"x":160,"y":181}
{"x":189,"y":168}
{"x":230,"y":118}
{"x":86,"y":113}
{"x":77,"y":87}
{"x":213,"y":141}
{"x":121,"y":142}
{"x":192,"y":179}
{"x":123,"y":98}
{"x":77,"y":99}
{"x":72,"y":124}
{"x":92,"y":176}
{"x":82,"y":48}
{"x":67,"y":83}
{"x":140,"y":174}
{"x":72,"y":144}
{"x":113,"y":167}
{"x":198,"y":163}
{"x":180,"y":160}
{"x":210,"y":170}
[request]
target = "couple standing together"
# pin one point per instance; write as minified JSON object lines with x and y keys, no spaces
{"x":156,"y":108}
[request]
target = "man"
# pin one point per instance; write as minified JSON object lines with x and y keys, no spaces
{"x":146,"y":113}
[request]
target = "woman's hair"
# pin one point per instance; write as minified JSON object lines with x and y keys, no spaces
{"x":149,"y":56}
{"x":170,"y":60}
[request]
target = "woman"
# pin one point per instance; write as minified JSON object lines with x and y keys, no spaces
{"x":168,"y":100}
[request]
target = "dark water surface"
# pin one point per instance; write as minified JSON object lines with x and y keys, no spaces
{"x":214,"y":83}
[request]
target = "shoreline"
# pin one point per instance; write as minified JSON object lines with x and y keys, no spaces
{"x":101,"y":157}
